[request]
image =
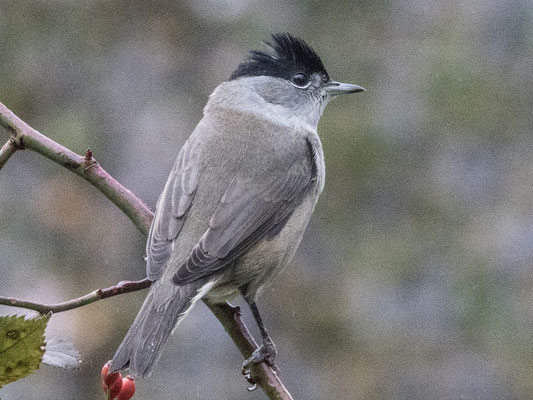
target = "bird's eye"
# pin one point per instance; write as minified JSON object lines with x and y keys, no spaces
{"x":300,"y":80}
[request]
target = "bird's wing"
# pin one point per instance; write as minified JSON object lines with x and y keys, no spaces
{"x":171,"y":209}
{"x":252,"y":207}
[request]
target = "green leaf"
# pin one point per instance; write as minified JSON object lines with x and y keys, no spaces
{"x":21,"y":346}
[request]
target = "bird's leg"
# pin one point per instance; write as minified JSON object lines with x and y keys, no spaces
{"x":267,"y":351}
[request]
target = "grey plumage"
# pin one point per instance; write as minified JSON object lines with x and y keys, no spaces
{"x":158,"y":316}
{"x":236,"y":203}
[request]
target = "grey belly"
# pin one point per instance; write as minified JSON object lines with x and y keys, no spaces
{"x":263,"y":262}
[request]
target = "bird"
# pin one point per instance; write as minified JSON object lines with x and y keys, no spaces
{"x":238,"y":198}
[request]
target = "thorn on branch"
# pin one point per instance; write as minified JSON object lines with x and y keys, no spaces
{"x":89,"y":161}
{"x":88,"y":155}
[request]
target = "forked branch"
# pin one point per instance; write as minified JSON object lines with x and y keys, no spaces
{"x":23,"y":136}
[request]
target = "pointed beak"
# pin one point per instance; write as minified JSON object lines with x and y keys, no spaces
{"x":336,"y":88}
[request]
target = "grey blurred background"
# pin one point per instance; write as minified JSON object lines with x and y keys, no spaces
{"x":415,"y":277}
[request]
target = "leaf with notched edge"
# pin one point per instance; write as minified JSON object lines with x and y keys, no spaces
{"x":21,"y":346}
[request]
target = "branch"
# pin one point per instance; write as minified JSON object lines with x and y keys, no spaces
{"x":99,"y":294}
{"x":24,"y":136}
{"x":7,"y":151}
{"x":262,"y":375}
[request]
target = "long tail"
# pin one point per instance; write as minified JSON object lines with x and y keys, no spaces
{"x":161,"y":312}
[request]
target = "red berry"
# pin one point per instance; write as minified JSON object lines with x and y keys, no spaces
{"x":105,"y":370}
{"x":111,"y":382}
{"x":128,"y":388}
{"x":107,"y":378}
{"x":114,"y":389}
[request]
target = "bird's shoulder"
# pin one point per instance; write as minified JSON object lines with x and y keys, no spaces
{"x":226,"y":134}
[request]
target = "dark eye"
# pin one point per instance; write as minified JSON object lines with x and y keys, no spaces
{"x":300,"y":79}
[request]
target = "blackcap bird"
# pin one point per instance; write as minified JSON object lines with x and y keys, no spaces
{"x":238,"y":199}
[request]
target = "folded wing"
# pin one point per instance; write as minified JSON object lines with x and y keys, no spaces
{"x":252,"y":208}
{"x":172,"y":206}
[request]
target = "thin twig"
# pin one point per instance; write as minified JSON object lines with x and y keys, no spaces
{"x":7,"y":151}
{"x":99,"y":294}
{"x":24,"y":136}
{"x":229,"y":316}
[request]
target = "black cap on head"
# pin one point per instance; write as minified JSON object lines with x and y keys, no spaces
{"x":289,"y":56}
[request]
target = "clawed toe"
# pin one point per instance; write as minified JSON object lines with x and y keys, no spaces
{"x":267,"y":352}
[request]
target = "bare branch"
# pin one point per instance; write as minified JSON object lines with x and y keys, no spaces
{"x":262,"y":375}
{"x":229,"y":316}
{"x":7,"y":151}
{"x":24,"y":136}
{"x":99,"y":294}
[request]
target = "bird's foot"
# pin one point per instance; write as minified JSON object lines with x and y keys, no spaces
{"x":267,"y":353}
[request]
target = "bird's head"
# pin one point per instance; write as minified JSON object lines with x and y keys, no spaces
{"x":290,"y":75}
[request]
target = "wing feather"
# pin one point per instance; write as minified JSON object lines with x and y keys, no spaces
{"x":248,"y":211}
{"x":171,"y":209}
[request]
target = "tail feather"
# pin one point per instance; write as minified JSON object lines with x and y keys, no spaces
{"x":161,"y":312}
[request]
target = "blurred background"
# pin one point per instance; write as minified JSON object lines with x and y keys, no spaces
{"x":415,"y":277}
